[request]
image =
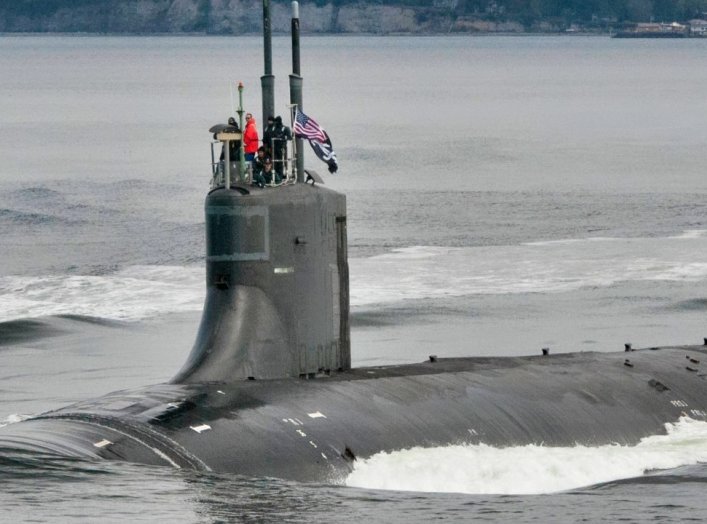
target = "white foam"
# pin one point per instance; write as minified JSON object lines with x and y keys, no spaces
{"x":574,"y":241}
{"x":134,"y":293}
{"x":481,"y":469}
{"x":692,"y":233}
{"x":410,"y":273}
{"x":13,"y":419}
{"x":540,"y":267}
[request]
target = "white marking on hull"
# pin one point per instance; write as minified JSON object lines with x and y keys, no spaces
{"x":166,"y":458}
{"x":145,"y":444}
{"x":201,"y":429}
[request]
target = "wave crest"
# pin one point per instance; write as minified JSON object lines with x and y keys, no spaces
{"x":532,"y":469}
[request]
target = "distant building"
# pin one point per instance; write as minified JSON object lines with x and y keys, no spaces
{"x":445,"y":4}
{"x":644,"y":30}
{"x":661,"y":28}
{"x":698,"y":27}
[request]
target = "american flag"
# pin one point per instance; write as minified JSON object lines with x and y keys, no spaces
{"x":308,"y":128}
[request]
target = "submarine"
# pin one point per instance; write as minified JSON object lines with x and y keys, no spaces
{"x":268,"y":389}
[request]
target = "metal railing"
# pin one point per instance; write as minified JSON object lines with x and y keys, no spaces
{"x":288,"y":161}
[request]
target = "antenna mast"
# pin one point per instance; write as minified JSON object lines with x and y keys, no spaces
{"x":296,"y":86}
{"x":267,"y":81}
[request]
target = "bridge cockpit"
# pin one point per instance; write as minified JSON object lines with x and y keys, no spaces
{"x":229,"y":166}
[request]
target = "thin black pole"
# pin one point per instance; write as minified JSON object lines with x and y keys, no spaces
{"x":296,"y":86}
{"x":295,"y":39}
{"x":267,"y":81}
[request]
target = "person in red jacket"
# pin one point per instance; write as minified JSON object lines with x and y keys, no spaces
{"x":250,"y":138}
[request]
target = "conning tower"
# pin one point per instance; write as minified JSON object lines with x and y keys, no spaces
{"x":277,"y":281}
{"x":277,"y":299}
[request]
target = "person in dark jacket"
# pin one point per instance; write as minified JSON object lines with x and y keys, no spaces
{"x":234,"y":146}
{"x":259,"y":160}
{"x":268,"y":172}
{"x":258,"y":166}
{"x":261,"y":178}
{"x":280,"y":136}
{"x":267,"y":136}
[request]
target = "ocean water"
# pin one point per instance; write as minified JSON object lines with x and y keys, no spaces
{"x":505,"y":194}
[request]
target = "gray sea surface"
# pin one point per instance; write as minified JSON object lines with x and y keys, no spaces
{"x":504,"y":194}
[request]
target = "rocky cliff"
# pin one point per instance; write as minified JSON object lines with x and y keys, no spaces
{"x":235,"y":17}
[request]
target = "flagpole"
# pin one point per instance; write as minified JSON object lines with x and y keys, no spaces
{"x":241,"y":153}
{"x":296,"y":86}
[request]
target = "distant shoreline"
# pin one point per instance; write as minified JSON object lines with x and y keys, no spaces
{"x":320,"y":34}
{"x":310,"y":35}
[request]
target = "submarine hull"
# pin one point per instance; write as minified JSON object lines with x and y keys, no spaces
{"x":315,"y":430}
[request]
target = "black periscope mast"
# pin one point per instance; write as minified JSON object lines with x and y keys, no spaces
{"x":268,"y":389}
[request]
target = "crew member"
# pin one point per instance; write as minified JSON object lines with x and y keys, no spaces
{"x":250,"y":137}
{"x":234,"y":146}
{"x":267,"y":135}
{"x":280,"y":136}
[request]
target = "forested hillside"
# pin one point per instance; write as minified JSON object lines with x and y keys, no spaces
{"x":339,"y":16}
